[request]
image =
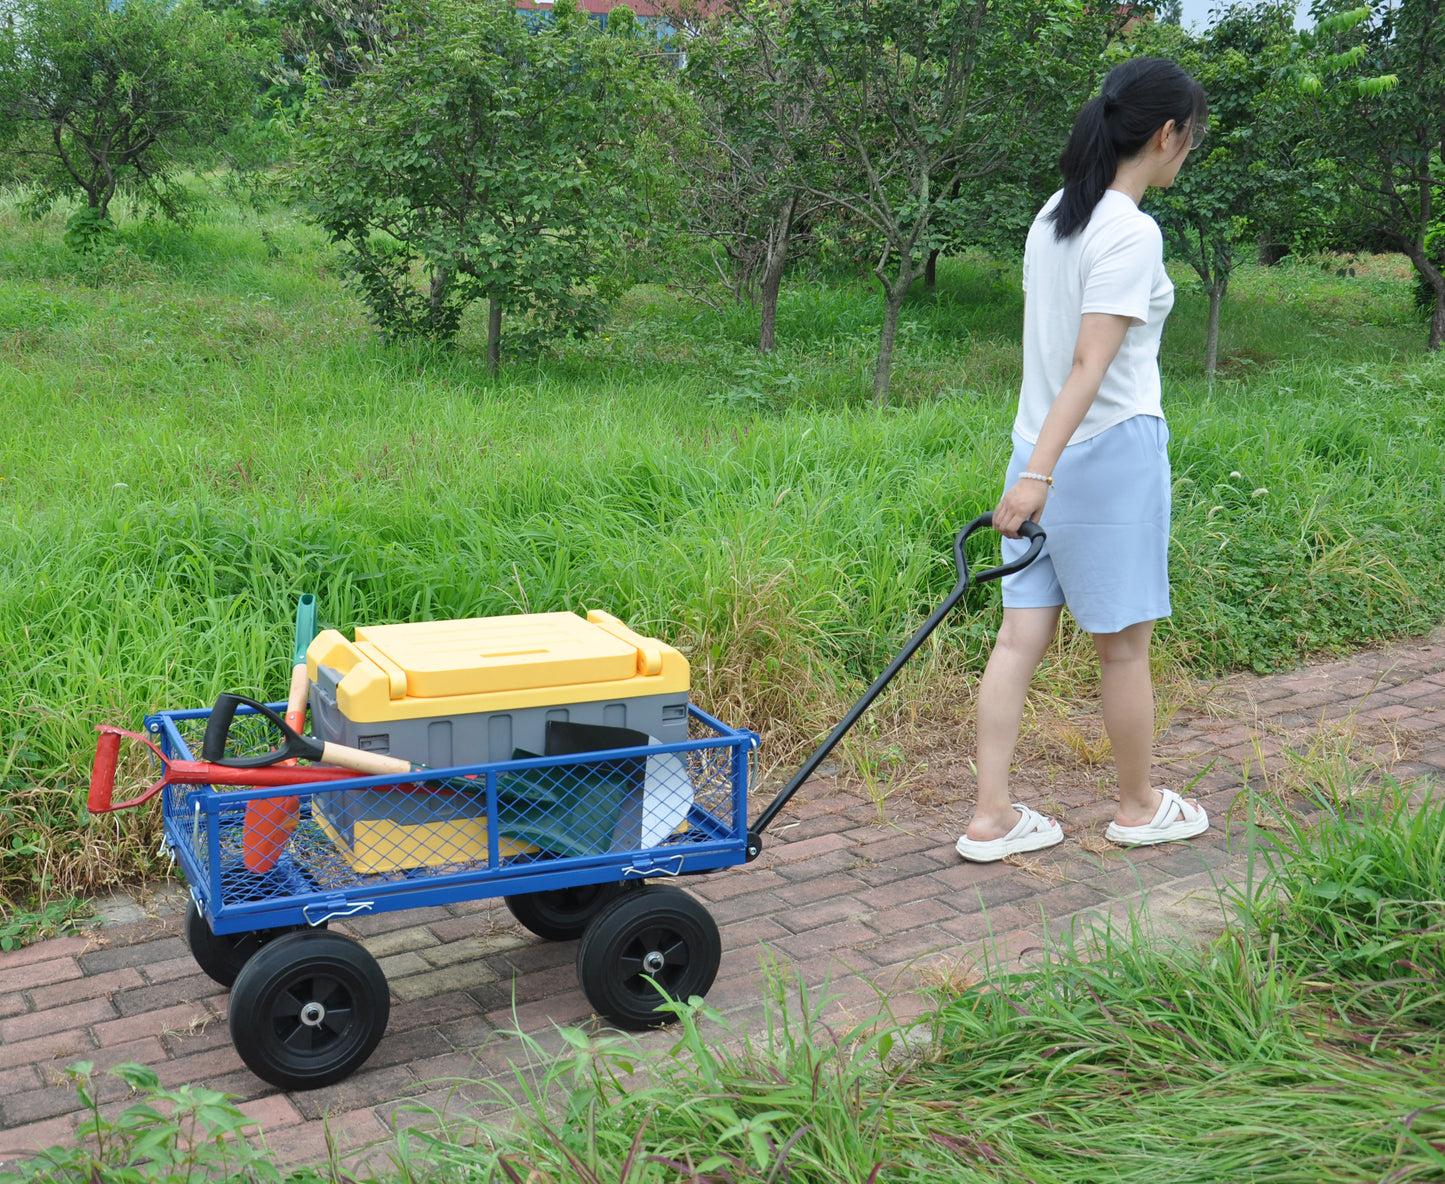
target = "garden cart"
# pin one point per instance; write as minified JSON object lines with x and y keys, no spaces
{"x":574,"y":833}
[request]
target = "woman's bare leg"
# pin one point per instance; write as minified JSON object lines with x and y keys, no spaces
{"x":1022,"y":641}
{"x":1128,"y":693}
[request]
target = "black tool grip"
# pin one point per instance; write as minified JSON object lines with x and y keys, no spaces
{"x":218,"y":733}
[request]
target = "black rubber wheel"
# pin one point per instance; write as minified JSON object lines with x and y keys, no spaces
{"x":655,"y":933}
{"x":563,"y":914}
{"x":308,"y":1009}
{"x":222,"y":956}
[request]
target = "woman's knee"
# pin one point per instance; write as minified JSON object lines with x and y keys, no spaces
{"x":1128,"y":645}
{"x":1027,"y":632}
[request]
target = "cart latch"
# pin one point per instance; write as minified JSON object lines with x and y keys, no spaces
{"x":335,"y":906}
{"x":645,"y":867}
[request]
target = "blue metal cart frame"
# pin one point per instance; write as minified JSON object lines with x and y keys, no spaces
{"x":198,"y":819}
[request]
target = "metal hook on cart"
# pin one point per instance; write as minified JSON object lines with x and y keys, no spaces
{"x":1030,"y":531}
{"x":655,"y":869}
{"x":349,"y":911}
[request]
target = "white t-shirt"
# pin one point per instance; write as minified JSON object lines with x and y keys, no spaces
{"x":1114,"y":265}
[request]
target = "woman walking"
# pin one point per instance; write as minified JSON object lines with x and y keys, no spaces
{"x":1090,"y":455}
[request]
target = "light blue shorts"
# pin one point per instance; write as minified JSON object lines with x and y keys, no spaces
{"x":1107,"y":518}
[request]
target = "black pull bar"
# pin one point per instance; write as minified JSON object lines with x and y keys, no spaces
{"x":1030,"y":531}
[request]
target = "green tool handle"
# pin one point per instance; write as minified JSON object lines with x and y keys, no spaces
{"x":305,"y":628}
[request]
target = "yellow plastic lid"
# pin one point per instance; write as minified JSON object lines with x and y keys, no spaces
{"x":493,"y":663}
{"x":488,"y":654}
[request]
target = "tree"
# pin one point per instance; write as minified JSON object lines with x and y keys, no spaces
{"x":333,"y":38}
{"x":1066,"y":59}
{"x":916,"y":97}
{"x":1215,"y":204}
{"x":1377,"y":79}
{"x":101,"y":97}
{"x":762,"y":139}
{"x":479,"y":158}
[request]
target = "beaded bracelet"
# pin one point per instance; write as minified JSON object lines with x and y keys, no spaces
{"x":1049,"y":481}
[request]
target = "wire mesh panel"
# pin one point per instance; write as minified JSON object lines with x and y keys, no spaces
{"x":585,"y":809}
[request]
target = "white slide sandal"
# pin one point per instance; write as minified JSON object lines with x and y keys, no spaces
{"x":1175,"y":819}
{"x":1032,"y":832}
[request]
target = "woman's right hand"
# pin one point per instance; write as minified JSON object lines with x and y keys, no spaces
{"x":1022,"y":502}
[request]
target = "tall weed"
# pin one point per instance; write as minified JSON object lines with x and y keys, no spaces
{"x":1355,"y":894}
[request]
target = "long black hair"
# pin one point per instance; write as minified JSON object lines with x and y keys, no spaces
{"x":1136,"y":100}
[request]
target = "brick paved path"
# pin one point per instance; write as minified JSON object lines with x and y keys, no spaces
{"x":866,"y":906}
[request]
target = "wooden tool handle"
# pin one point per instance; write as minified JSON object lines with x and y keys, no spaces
{"x":375,"y":763}
{"x":296,"y":701}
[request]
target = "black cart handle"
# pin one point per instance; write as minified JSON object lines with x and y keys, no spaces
{"x":1029,"y":530}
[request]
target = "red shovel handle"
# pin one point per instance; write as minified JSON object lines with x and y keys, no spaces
{"x":107,"y":756}
{"x":102,"y":773}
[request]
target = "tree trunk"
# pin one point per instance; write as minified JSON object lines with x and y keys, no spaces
{"x":893,"y":295}
{"x":494,"y":335}
{"x":772,"y":281}
{"x":1211,"y":337}
{"x":437,"y":296}
{"x":778,"y":238}
{"x":1434,"y":275}
{"x":930,"y":271}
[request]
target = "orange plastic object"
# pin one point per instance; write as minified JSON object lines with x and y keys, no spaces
{"x":270,"y":823}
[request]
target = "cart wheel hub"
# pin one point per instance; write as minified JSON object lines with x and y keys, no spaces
{"x":312,"y":1015}
{"x":653,"y":961}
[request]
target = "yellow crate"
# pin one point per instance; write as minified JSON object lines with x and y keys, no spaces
{"x":381,"y":844}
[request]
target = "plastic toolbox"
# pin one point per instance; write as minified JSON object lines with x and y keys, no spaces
{"x":483,"y":690}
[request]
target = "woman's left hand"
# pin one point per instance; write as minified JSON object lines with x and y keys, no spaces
{"x":1022,"y":502}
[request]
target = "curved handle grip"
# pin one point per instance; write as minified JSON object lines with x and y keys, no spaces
{"x":213,"y":747}
{"x":102,"y":772}
{"x":218,"y":730}
{"x":1029,"y":530}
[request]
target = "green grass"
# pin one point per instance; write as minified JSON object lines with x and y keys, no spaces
{"x":20,"y":927}
{"x":200,"y":426}
{"x":1296,"y":1048}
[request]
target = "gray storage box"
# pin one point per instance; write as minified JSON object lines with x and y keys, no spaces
{"x":470,"y":692}
{"x":484,"y":736}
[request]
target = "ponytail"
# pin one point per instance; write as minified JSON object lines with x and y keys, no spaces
{"x":1136,"y":100}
